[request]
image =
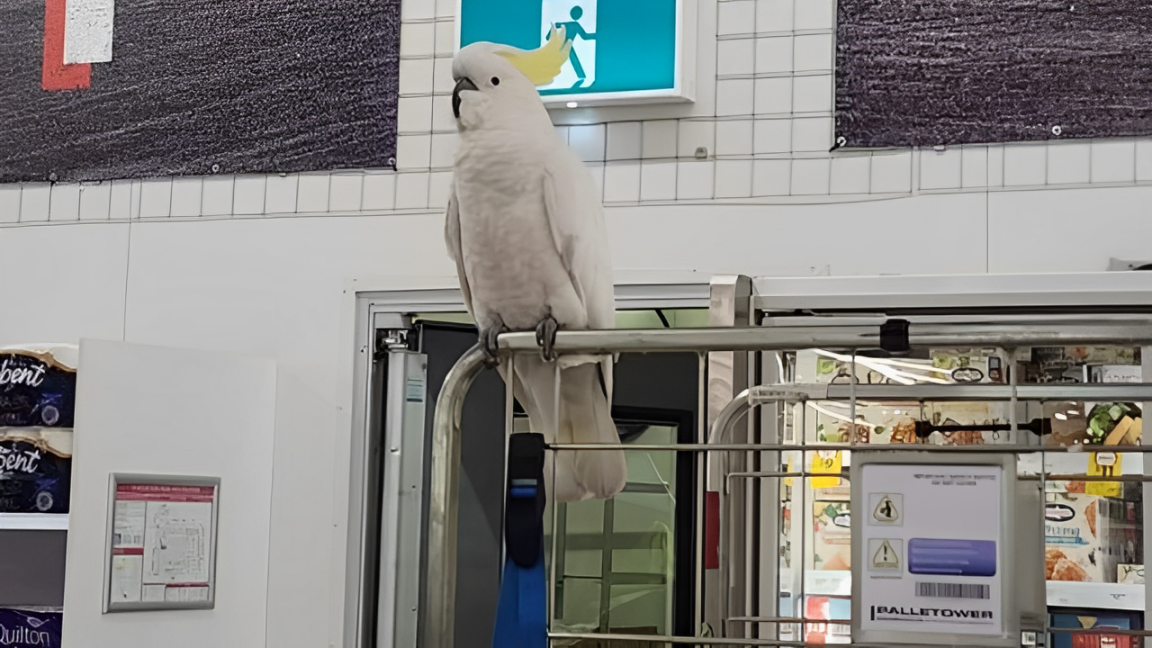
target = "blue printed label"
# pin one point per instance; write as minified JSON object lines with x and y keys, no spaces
{"x":28,"y":629}
{"x":952,"y":557}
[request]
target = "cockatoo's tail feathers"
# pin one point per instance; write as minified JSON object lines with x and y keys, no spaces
{"x":541,"y":65}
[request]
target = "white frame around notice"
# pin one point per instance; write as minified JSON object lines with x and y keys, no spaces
{"x":164,"y":480}
{"x":1009,"y":554}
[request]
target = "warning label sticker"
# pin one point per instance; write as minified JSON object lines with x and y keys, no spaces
{"x":886,"y":509}
{"x":886,"y":557}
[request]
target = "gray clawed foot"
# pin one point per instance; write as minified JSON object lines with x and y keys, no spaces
{"x":546,"y":337}
{"x":489,"y":342}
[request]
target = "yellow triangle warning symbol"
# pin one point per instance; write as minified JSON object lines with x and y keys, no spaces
{"x":886,"y":557}
{"x":886,"y":510}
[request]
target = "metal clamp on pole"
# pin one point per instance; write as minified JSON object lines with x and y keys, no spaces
{"x":894,"y":337}
{"x":521,"y":614}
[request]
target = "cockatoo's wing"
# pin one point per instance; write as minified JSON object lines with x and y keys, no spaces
{"x":576,"y":219}
{"x":541,"y":65}
{"x":455,"y":249}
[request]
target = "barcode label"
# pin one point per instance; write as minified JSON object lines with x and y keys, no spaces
{"x":953,"y":590}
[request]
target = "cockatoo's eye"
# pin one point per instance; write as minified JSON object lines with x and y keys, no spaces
{"x":495,"y":81}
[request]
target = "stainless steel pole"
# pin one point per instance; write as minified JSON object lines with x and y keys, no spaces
{"x":444,"y":500}
{"x":831,"y":337}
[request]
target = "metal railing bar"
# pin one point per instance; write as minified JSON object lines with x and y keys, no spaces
{"x":844,"y":474}
{"x":1096,"y":392}
{"x":1088,"y":478}
{"x":841,"y":337}
{"x":862,"y":448}
{"x":786,"y":620}
{"x":718,"y":641}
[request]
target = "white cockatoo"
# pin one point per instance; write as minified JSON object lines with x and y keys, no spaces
{"x":526,"y":229}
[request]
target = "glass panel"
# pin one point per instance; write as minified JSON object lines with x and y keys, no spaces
{"x":630,"y":588}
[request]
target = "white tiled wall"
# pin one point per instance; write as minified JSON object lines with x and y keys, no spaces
{"x":767,"y":141}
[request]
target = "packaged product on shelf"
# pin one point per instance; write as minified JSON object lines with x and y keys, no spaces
{"x":1113,"y":373}
{"x":969,"y":365}
{"x":1113,"y":355}
{"x":1074,"y":364}
{"x":832,"y":541}
{"x":1130,"y":574}
{"x":36,"y":389}
{"x":30,"y":627}
{"x":1084,"y":537}
{"x":35,"y":470}
{"x":903,"y":431}
{"x":1097,"y":622}
{"x":959,"y":413}
{"x":1069,"y":423}
{"x":827,"y":610}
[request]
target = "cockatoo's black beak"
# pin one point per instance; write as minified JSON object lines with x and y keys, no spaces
{"x":461,"y":85}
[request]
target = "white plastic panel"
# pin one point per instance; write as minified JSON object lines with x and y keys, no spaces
{"x":165,"y":411}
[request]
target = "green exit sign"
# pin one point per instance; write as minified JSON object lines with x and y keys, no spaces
{"x":622,"y":51}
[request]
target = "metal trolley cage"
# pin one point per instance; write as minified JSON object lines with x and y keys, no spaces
{"x":725,"y":461}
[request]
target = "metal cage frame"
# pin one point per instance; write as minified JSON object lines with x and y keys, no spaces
{"x":443,"y":498}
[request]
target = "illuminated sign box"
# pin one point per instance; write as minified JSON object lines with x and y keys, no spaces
{"x":623,"y":51}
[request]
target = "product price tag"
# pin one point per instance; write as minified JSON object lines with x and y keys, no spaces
{"x":1104,"y":464}
{"x":827,"y":463}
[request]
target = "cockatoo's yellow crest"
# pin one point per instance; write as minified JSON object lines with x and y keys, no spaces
{"x":541,"y":65}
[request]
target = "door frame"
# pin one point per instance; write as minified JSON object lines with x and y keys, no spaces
{"x":384,"y":303}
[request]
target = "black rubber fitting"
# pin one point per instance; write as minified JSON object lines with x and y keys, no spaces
{"x":894,"y":336}
{"x":524,"y":504}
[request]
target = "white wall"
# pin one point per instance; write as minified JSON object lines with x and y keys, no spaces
{"x":257,"y":264}
{"x":143,"y":409}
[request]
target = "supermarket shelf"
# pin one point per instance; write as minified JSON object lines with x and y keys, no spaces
{"x":1105,"y":596}
{"x":33,"y":521}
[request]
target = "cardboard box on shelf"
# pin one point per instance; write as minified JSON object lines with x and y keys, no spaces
{"x":970,"y":365}
{"x":1113,"y":355}
{"x":832,"y":539}
{"x":1092,"y":639}
{"x":1113,"y":373}
{"x":1085,"y":538}
{"x":1130,"y":574}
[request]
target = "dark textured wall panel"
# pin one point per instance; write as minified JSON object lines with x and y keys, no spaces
{"x":203,"y":86}
{"x":911,"y":72}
